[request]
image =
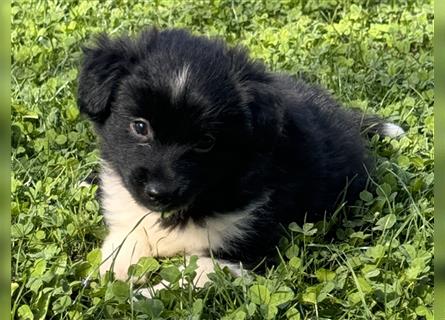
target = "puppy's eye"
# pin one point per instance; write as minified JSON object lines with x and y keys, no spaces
{"x":140,"y":128}
{"x":205,"y":144}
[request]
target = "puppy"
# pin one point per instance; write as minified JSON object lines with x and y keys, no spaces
{"x":207,"y":153}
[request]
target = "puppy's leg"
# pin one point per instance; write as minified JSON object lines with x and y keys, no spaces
{"x":206,"y":266}
{"x":121,"y":249}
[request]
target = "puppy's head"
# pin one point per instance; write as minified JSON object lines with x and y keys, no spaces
{"x":179,"y":116}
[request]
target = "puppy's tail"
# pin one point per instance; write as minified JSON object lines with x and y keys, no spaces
{"x":371,"y":125}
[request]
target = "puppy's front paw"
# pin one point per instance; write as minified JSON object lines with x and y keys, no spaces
{"x":205,"y":266}
{"x":150,"y":293}
{"x":118,"y":266}
{"x":120,"y":251}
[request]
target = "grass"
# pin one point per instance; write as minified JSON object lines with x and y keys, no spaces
{"x":376,"y":55}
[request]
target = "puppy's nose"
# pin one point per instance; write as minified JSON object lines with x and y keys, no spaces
{"x":156,"y":192}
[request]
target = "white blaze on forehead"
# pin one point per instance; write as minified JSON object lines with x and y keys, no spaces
{"x":179,"y":81}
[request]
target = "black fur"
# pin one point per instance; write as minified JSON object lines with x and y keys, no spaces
{"x":272,"y":133}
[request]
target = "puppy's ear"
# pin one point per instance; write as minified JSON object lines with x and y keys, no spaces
{"x":103,"y":67}
{"x":260,"y":95}
{"x":267,"y":115}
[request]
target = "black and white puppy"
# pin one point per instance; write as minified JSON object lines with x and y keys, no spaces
{"x":207,"y":153}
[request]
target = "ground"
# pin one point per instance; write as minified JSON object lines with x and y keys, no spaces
{"x":375,"y":55}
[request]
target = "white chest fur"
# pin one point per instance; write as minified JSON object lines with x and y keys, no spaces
{"x":135,"y":231}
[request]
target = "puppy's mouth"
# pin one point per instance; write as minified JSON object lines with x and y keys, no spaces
{"x":168,"y":214}
{"x":168,"y":209}
{"x":165,"y":215}
{"x":171,"y":209}
{"x":172,"y":214}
